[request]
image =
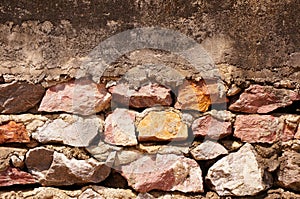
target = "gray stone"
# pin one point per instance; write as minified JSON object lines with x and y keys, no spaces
{"x":208,"y":150}
{"x":70,"y":130}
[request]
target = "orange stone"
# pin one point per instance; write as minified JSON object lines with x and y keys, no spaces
{"x":162,"y":126}
{"x":193,"y":96}
{"x":13,"y":132}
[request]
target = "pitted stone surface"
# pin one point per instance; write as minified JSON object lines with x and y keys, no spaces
{"x":13,"y":133}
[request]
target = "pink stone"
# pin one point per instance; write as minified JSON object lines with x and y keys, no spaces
{"x":211,"y":127}
{"x":120,"y":128}
{"x":80,"y":96}
{"x":258,"y":128}
{"x":147,"y":96}
{"x":164,"y":172}
{"x":13,"y":176}
{"x":13,"y":132}
{"x":263,"y":99}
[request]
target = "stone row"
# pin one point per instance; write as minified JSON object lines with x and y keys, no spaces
{"x":123,"y":127}
{"x":84,"y":97}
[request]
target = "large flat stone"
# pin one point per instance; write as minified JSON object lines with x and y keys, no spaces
{"x":80,"y":96}
{"x":120,"y":128}
{"x":18,"y":97}
{"x":164,"y":172}
{"x":70,"y":130}
{"x":14,"y":176}
{"x":149,"y":95}
{"x":258,"y":128}
{"x":57,"y":170}
{"x":263,"y":99}
{"x":238,"y":174}
{"x":165,"y":125}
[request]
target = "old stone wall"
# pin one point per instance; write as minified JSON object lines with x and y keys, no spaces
{"x":149,"y":99}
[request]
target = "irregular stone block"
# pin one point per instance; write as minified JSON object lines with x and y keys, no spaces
{"x":71,"y":130}
{"x":8,"y":154}
{"x":211,"y":127}
{"x":57,"y":170}
{"x":193,"y":96}
{"x":289,"y":171}
{"x":14,"y":176}
{"x":80,"y":96}
{"x":258,"y":128}
{"x":238,"y":174}
{"x":120,"y":128}
{"x":208,"y":150}
{"x":18,"y":97}
{"x":149,"y":95}
{"x":164,"y":125}
{"x":13,"y":133}
{"x":263,"y":99}
{"x":164,"y":172}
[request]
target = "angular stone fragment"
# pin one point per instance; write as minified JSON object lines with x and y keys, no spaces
{"x":164,"y":172}
{"x":120,"y":128}
{"x":208,"y":150}
{"x":211,"y":127}
{"x":290,"y":127}
{"x":238,"y":174}
{"x":263,"y":99}
{"x":8,"y":154}
{"x":14,"y":176}
{"x":18,"y":97}
{"x":164,"y":125}
{"x":80,"y":96}
{"x":193,"y":96}
{"x":49,"y":172}
{"x":258,"y":128}
{"x":289,"y":171}
{"x":149,"y":95}
{"x":13,"y":133}
{"x":70,"y":130}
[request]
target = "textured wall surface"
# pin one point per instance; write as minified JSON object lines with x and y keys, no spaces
{"x":149,"y":99}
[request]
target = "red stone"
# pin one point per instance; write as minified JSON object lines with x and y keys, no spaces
{"x":263,"y":99}
{"x":80,"y":96}
{"x":258,"y":128}
{"x":13,"y":132}
{"x":211,"y":127}
{"x":13,"y":176}
{"x":297,"y":135}
{"x":146,"y":96}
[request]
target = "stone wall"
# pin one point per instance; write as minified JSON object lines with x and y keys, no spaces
{"x":149,"y":99}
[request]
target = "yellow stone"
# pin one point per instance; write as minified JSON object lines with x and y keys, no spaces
{"x":162,"y":126}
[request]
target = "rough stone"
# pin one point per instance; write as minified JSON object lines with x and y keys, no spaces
{"x":281,"y":193}
{"x":149,"y":95}
{"x":238,"y":174}
{"x":211,"y":127}
{"x":14,"y":155}
{"x":258,"y":128}
{"x":18,"y":97}
{"x":55,"y":165}
{"x":193,"y":96}
{"x":289,"y":171}
{"x":290,"y":127}
{"x":164,"y":149}
{"x":164,"y":172}
{"x":164,"y":125}
{"x":120,"y":128}
{"x":208,"y":150}
{"x":13,"y":133}
{"x":71,"y":130}
{"x":263,"y":99}
{"x":232,"y":145}
{"x":103,"y":152}
{"x":81,"y":96}
{"x":14,"y":176}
